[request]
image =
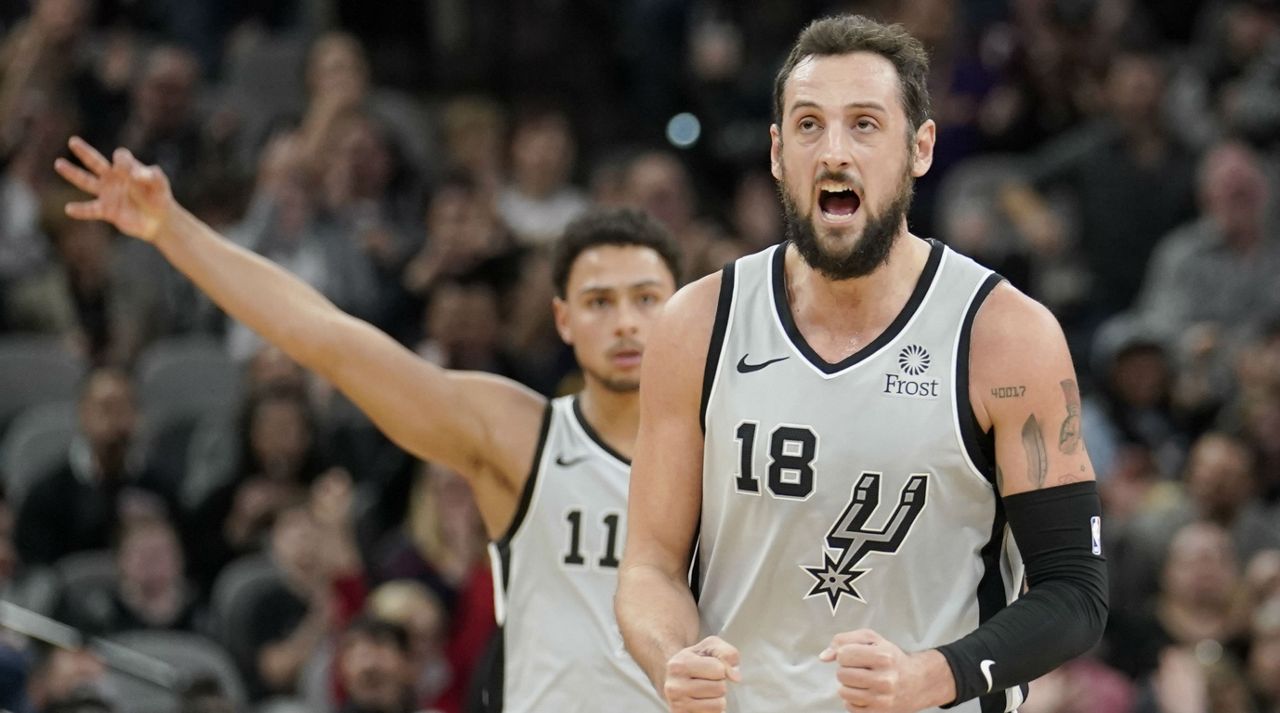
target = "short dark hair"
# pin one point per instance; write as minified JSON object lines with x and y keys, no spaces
{"x":612,"y":226}
{"x":380,"y":631}
{"x":845,"y":34}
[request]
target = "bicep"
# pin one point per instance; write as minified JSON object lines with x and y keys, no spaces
{"x":435,"y":414}
{"x":1027,"y":386}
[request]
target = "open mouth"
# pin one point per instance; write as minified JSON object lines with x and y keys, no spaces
{"x":838,"y":205}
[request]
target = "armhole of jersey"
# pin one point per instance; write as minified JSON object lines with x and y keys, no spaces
{"x":718,"y":329}
{"x":530,"y":483}
{"x":980,"y":445}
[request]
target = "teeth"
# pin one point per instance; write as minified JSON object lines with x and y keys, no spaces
{"x":832,"y":187}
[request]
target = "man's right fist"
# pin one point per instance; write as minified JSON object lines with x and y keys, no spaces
{"x":697,"y":677}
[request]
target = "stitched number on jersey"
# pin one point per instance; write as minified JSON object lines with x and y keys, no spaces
{"x":609,"y":523}
{"x":851,"y":538}
{"x":792,"y":450}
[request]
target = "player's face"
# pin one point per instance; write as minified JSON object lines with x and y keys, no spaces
{"x":845,"y":160}
{"x":613,"y":295}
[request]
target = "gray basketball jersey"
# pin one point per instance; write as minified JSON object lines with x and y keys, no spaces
{"x":850,"y":495}
{"x":556,"y":571}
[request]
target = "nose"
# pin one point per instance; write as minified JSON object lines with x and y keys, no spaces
{"x":836,"y":148}
{"x":628,"y":319}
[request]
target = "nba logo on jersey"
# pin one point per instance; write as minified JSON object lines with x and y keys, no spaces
{"x":1095,"y":527}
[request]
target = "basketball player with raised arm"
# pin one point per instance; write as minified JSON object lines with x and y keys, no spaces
{"x":550,"y":478}
{"x":866,"y":435}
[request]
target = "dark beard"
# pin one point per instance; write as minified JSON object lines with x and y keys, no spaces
{"x":868,"y":254}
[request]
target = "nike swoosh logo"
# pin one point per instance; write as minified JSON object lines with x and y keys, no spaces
{"x":745,"y":368}
{"x":569,"y":463}
{"x":986,"y":672}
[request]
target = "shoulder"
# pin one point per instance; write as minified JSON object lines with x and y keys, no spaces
{"x":1015,"y":336}
{"x":691,"y":311}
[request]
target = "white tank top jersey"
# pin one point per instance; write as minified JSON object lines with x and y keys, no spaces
{"x":555,"y":574}
{"x":850,"y":495}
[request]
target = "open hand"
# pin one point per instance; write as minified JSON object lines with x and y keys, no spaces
{"x":135,"y":198}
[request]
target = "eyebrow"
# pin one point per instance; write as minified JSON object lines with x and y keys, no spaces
{"x":807,"y":104}
{"x":613,"y":288}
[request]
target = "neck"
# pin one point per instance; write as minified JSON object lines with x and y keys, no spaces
{"x":838,"y":317}
{"x":615,"y":415}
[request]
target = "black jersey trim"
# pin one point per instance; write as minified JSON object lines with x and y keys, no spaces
{"x":718,"y":330}
{"x":591,"y":432}
{"x":484,"y":691}
{"x":526,"y":495}
{"x":899,"y":323}
{"x":695,"y":567}
{"x":991,"y":593}
{"x":980,"y":445}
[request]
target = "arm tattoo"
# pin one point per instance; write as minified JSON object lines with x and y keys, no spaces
{"x":1008,"y":392}
{"x":1037,"y":459}
{"x":1069,"y":434}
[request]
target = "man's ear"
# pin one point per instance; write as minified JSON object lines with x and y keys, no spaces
{"x":922,"y":157}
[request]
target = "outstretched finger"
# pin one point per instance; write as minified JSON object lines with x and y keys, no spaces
{"x":85,"y":210}
{"x":77,"y":176}
{"x":124,"y":160}
{"x":89,"y":156}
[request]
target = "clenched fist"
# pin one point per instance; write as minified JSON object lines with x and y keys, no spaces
{"x":698,"y":677}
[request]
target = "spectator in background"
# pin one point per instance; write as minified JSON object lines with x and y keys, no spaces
{"x":1220,"y":487}
{"x":25,"y":586}
{"x":375,"y":668}
{"x":44,"y":124}
{"x":463,"y":328}
{"x":150,"y":593}
{"x":474,"y":140}
{"x":86,"y":295}
{"x":164,"y":126}
{"x":290,"y":622}
{"x":411,"y":605}
{"x":1131,"y":404}
{"x":280,"y":456}
{"x":659,"y":183}
{"x":464,"y":238}
{"x":1218,"y":272}
{"x":101,"y":487}
{"x":338,"y":82}
{"x":540,"y":200}
{"x":48,"y":53}
{"x":1227,"y":86}
{"x":442,"y":545}
{"x":1199,"y":600}
{"x":1129,"y":182}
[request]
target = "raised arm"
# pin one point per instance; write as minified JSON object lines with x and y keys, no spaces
{"x":655,"y":608}
{"x":482,"y":426}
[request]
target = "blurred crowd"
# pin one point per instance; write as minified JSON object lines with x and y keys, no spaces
{"x":173,"y":484}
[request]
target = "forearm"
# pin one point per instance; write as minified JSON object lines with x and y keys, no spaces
{"x":1063,"y":613}
{"x":277,"y":305}
{"x":657,"y":616}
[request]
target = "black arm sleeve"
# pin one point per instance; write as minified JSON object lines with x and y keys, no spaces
{"x":1062,"y":614}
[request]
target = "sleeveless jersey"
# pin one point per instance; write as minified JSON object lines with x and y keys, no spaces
{"x":850,"y":495}
{"x":556,"y":571}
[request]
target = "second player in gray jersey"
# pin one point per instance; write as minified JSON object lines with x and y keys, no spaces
{"x":550,"y":480}
{"x":867,"y":435}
